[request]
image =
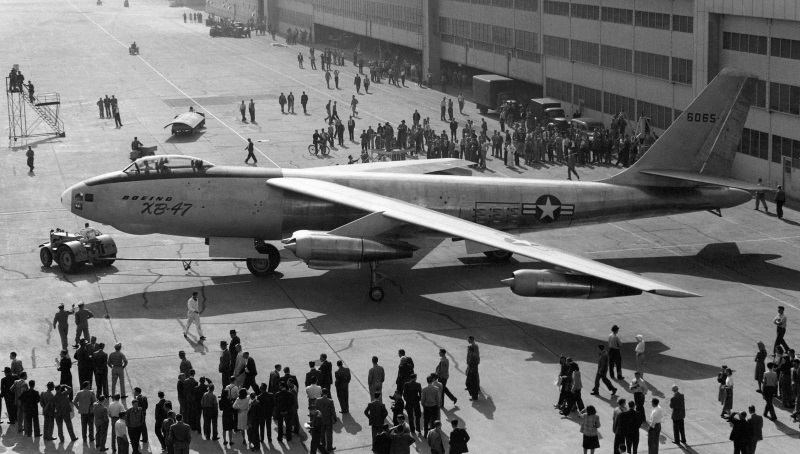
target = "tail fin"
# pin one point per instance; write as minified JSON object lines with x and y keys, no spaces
{"x":702,"y":141}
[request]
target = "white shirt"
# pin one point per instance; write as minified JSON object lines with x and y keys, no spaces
{"x":193,"y":305}
{"x":313,"y":391}
{"x":729,"y":381}
{"x":656,"y":416}
{"x":640,"y":347}
{"x":114,"y":408}
{"x":613,"y":341}
{"x":780,"y":320}
{"x":121,"y":429}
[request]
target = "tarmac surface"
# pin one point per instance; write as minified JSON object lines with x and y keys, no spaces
{"x":744,"y":264}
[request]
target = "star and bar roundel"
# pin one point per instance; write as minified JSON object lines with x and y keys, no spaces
{"x":547,"y":209}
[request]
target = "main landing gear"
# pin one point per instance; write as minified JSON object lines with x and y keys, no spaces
{"x":263,"y":267}
{"x":376,"y":292}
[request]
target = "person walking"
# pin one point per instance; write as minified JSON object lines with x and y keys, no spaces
{"x":353,"y":105}
{"x":357,"y":83}
{"x":117,"y":362}
{"x":458,"y":439}
{"x":252,"y":109}
{"x":443,"y":373}
{"x":61,"y":321}
{"x":589,"y":426}
{"x":602,"y":372}
{"x":242,"y":109}
{"x":250,"y":155}
{"x":473,"y":381}
{"x":780,"y":324}
{"x":571,"y":156}
{"x":769,"y":390}
{"x":336,"y":78}
{"x":760,"y":196}
{"x":678,"y":405}
{"x":82,"y":317}
{"x":342,"y":379}
{"x":780,"y":200}
{"x":193,"y":304}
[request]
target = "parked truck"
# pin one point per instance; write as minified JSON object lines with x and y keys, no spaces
{"x":548,"y":111}
{"x":491,"y":91}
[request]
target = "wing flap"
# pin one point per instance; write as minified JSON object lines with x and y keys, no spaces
{"x":706,"y":179}
{"x":418,"y":167}
{"x":413,"y":214}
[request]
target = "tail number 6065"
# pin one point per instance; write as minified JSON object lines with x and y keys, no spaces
{"x":701,"y":117}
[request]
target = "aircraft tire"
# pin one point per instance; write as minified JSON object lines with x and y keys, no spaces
{"x":376,"y":294}
{"x":263,"y":267}
{"x":46,"y":256}
{"x":66,"y":260}
{"x":498,"y":255}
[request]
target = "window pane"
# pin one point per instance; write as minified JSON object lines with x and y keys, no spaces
{"x":786,"y":49}
{"x":796,"y":50}
{"x":775,"y":49}
{"x":762,"y":45}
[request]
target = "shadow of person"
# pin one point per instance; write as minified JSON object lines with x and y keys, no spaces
{"x":485,"y":405}
{"x":349,"y":425}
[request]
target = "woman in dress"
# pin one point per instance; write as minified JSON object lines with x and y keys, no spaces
{"x":65,"y":367}
{"x":228,"y":417}
{"x":242,"y":406}
{"x":761,"y":366}
{"x":589,"y":426}
{"x":727,"y":404}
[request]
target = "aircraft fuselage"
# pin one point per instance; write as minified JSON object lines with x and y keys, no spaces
{"x":237,"y":202}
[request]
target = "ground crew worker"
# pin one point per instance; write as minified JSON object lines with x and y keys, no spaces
{"x":62,"y":321}
{"x":29,"y":154}
{"x":193,"y":313}
{"x":241,"y":110}
{"x":760,"y":196}
{"x":304,"y":101}
{"x":100,"y":106}
{"x":250,"y":154}
{"x":82,"y":317}
{"x":252,"y":109}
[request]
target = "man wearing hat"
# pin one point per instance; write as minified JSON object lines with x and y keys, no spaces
{"x":82,"y":317}
{"x":61,"y":320}
{"x":614,"y":353}
{"x":118,"y":362}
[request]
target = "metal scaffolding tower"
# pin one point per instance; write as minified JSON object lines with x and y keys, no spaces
{"x":47,"y":107}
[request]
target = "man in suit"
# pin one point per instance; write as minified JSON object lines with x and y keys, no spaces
{"x":312,"y":373}
{"x":317,"y":430}
{"x":141,"y":400}
{"x":250,"y":373}
{"x":412,"y":393}
{"x":755,"y":425}
{"x":376,"y":414}
{"x":273,"y":386}
{"x":616,"y":427}
{"x":282,"y":411}
{"x":162,"y":410}
{"x":83,"y":355}
{"x":100,"y":418}
{"x":181,"y":436}
{"x":99,"y":364}
{"x":678,"y":406}
{"x":189,"y":389}
{"x":740,"y":433}
{"x":629,"y":422}
{"x":134,"y":419}
{"x":224,"y":363}
{"x":327,"y":411}
{"x":48,"y":411}
{"x":458,"y":439}
{"x":325,"y":372}
{"x":342,"y":379}
{"x":375,"y":378}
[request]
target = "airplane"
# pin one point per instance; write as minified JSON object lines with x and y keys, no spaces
{"x":345,"y":216}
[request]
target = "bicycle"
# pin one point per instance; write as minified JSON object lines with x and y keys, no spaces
{"x":322,"y":148}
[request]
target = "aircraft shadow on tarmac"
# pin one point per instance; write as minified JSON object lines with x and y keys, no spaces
{"x":344,"y":308}
{"x":186,"y":138}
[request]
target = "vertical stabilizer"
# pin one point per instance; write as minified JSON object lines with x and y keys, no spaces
{"x":703,"y":139}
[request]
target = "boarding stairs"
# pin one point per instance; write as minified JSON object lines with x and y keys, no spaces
{"x":46,"y":122}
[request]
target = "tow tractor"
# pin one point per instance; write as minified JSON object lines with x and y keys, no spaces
{"x":73,"y":250}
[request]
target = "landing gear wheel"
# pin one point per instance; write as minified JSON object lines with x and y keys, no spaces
{"x":498,"y":255}
{"x":46,"y":256}
{"x":263,"y":267}
{"x":107,"y":260}
{"x":66,"y":260}
{"x":376,"y":294}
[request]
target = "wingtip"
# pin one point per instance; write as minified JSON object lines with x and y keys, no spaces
{"x":674,"y":293}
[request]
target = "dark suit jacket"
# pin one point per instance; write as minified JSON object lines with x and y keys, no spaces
{"x":312,"y":373}
{"x":326,"y":410}
{"x":627,"y":422}
{"x":100,"y":361}
{"x":740,"y":431}
{"x":181,"y":435}
{"x":274,"y":381}
{"x":755,"y":424}
{"x":250,"y":368}
{"x":326,"y":374}
{"x":161,"y":410}
{"x":376,"y":413}
{"x":343,"y":377}
{"x":678,"y":406}
{"x":412,"y":392}
{"x":458,"y":441}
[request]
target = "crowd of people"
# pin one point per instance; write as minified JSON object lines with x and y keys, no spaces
{"x":109,"y":107}
{"x":240,"y":404}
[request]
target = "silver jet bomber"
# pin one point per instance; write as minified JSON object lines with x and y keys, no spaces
{"x":345,"y":216}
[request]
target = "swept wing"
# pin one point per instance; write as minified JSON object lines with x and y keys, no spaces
{"x":397,"y":210}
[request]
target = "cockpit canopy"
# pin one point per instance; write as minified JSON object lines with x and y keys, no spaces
{"x":167,"y":164}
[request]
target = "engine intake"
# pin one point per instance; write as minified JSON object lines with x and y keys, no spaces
{"x":318,"y":247}
{"x":555,"y":284}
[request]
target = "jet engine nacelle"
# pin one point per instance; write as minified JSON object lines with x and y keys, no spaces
{"x":556,"y":284}
{"x":320,"y":247}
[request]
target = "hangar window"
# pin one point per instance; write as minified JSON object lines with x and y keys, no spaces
{"x":785,"y":48}
{"x":784,"y":147}
{"x":741,"y":42}
{"x":754,"y":143}
{"x":617,"y":15}
{"x":681,"y":70}
{"x":784,"y":98}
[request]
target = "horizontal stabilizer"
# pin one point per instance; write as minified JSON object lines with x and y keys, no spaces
{"x":417,"y":167}
{"x":706,"y":179}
